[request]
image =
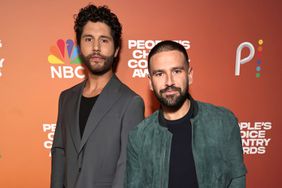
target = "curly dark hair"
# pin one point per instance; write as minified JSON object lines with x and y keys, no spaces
{"x":98,"y":14}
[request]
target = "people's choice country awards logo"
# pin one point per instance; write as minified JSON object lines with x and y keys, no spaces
{"x":256,"y":136}
{"x":252,"y":51}
{"x":49,"y":129}
{"x":64,"y":60}
{"x":139,"y":50}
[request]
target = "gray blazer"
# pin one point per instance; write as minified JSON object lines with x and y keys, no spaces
{"x":98,"y":159}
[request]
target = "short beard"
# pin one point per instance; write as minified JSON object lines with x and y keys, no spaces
{"x":173,"y":102}
{"x":108,"y":63}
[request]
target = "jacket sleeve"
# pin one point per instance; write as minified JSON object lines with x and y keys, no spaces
{"x":57,"y":152}
{"x":235,"y":155}
{"x":239,"y":182}
{"x":133,"y":115}
{"x":132,"y":173}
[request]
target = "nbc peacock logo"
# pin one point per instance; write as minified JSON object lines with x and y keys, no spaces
{"x":64,"y":60}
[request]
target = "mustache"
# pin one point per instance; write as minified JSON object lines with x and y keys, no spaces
{"x":170,"y":88}
{"x":95,"y":54}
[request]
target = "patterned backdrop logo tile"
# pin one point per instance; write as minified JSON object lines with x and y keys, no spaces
{"x":49,"y":130}
{"x":65,"y":61}
{"x":256,"y":136}
{"x":253,"y":53}
{"x":139,"y":50}
{"x":64,"y":51}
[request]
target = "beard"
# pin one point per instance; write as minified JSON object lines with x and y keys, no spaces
{"x":175,"y":101}
{"x":105,"y":66}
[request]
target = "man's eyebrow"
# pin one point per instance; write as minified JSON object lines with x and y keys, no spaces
{"x":87,"y":35}
{"x":105,"y":36}
{"x":157,"y":70}
{"x":102,"y":36}
{"x":179,"y":67}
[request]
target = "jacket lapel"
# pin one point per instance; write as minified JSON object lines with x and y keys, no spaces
{"x":74,"y":115}
{"x":107,"y":98}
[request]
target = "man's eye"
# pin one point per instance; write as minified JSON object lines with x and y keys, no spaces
{"x":158,"y":74}
{"x":177,"y":71}
{"x":104,"y":40}
{"x":88,"y":39}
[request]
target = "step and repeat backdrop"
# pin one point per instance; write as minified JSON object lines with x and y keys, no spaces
{"x":235,"y":51}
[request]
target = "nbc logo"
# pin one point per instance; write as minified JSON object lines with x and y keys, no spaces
{"x":64,"y":60}
{"x":240,"y":61}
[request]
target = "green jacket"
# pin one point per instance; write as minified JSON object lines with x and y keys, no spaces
{"x":216,"y":147}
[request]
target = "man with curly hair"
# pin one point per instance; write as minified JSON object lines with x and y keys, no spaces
{"x":95,"y":116}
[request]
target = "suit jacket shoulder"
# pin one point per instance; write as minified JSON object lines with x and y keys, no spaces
{"x":122,"y":87}
{"x":75,"y":88}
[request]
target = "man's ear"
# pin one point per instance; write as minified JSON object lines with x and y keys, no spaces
{"x":116,"y":52}
{"x":150,"y":82}
{"x":190,"y":75}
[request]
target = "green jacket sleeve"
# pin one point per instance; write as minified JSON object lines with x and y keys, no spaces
{"x":132,"y":175}
{"x":235,"y":155}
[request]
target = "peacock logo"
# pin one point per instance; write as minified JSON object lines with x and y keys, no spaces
{"x":252,"y":51}
{"x":64,"y":51}
{"x":64,"y":60}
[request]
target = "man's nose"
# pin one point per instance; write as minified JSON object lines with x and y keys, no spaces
{"x":170,"y":80}
{"x":96,"y":45}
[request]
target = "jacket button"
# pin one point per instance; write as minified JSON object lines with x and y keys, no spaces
{"x":79,"y":169}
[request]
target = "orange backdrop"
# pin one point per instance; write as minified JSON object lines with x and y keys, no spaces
{"x":212,"y":32}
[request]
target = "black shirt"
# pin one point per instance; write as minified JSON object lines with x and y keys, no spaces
{"x":182,"y":173}
{"x":86,"y":105}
